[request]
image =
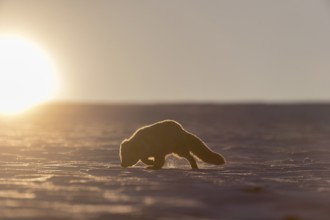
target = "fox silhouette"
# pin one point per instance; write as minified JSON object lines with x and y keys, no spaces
{"x":152,"y":143}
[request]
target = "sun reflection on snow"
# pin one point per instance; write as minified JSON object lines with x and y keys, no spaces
{"x":14,"y":194}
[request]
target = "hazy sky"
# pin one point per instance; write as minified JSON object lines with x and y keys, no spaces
{"x":180,"y":50}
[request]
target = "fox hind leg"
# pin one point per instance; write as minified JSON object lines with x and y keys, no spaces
{"x":192,"y":161}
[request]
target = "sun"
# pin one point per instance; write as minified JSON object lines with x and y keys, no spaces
{"x":27,"y":76}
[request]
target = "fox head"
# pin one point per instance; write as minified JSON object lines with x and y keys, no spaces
{"x":127,"y":156}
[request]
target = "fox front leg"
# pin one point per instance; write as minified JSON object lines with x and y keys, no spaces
{"x":158,"y":163}
{"x":148,"y":161}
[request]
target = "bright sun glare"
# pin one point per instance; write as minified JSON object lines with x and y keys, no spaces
{"x":26,"y":76}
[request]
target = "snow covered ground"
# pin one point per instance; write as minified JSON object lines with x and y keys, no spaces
{"x":61,"y":162}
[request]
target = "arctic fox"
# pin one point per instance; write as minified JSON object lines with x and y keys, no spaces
{"x":152,"y":143}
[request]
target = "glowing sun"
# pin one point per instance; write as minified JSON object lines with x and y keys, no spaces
{"x":26,"y":75}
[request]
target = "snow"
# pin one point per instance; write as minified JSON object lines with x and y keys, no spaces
{"x":61,"y":162}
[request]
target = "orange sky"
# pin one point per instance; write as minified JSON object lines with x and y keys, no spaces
{"x":171,"y":51}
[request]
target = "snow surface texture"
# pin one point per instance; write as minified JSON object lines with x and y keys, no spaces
{"x":61,"y":162}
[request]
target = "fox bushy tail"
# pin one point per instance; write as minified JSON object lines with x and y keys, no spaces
{"x":200,"y":149}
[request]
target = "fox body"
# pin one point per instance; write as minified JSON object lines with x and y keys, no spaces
{"x":163,"y":138}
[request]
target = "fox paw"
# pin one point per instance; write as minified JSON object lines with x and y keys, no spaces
{"x":153,"y":168}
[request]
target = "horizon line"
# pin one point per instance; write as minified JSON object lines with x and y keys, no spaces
{"x":187,"y":102}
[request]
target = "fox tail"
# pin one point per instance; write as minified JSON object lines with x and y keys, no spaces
{"x":200,"y":149}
